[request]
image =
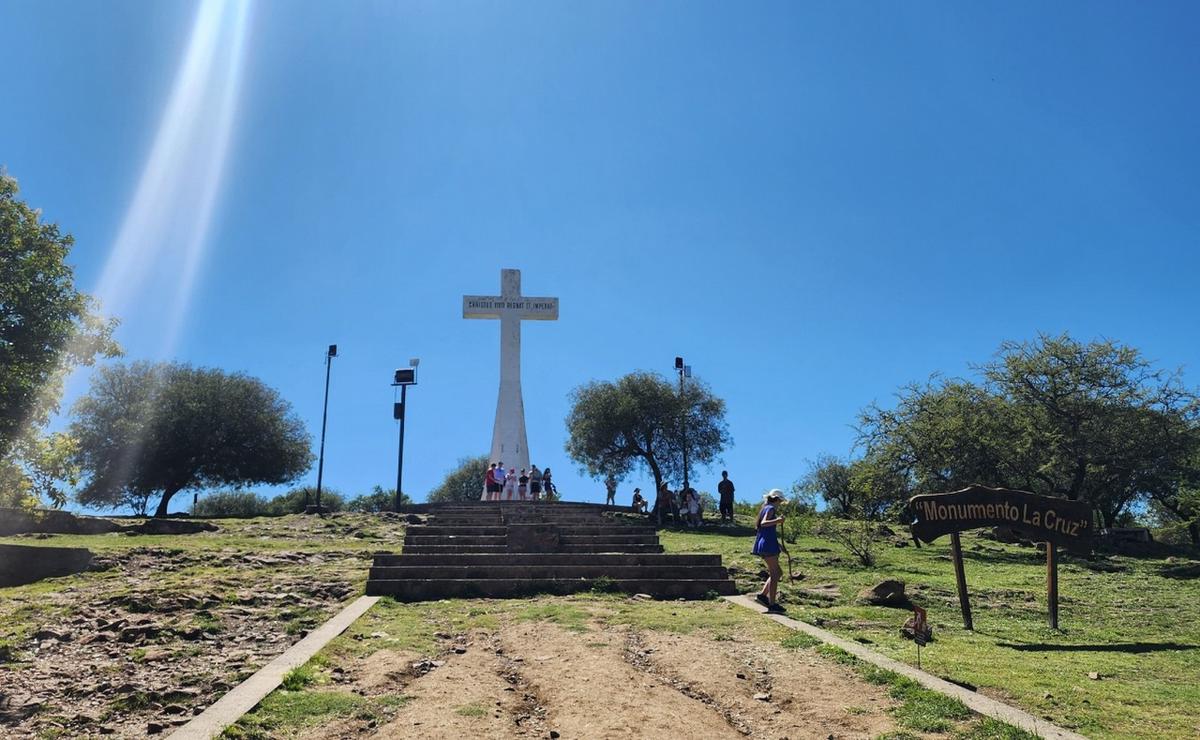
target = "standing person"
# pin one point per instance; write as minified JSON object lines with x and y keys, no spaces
{"x":510,"y":484}
{"x":535,"y":482}
{"x":610,"y":484}
{"x":499,"y":480}
{"x":766,"y":546}
{"x":522,"y":484}
{"x":489,"y":483}
{"x":673,"y":500}
{"x":692,"y":501}
{"x":725,"y":488}
{"x":548,"y":485}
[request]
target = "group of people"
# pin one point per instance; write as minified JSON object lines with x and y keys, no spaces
{"x":502,"y":484}
{"x":682,"y":507}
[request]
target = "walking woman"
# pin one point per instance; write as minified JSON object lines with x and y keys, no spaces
{"x":766,"y":546}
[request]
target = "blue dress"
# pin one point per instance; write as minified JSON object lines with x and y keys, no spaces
{"x":766,"y":542}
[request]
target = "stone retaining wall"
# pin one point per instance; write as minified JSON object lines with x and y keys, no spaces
{"x":21,"y":564}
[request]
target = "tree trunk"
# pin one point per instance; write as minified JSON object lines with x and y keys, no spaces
{"x":166,"y":499}
{"x":1194,"y":532}
{"x":653,"y":465}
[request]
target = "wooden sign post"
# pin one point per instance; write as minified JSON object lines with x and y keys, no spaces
{"x":1052,"y":583}
{"x":1055,"y":521}
{"x":960,"y":578}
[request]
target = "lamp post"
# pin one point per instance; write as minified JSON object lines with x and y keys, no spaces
{"x":684,"y":371}
{"x":404,"y":377}
{"x":329,"y":355}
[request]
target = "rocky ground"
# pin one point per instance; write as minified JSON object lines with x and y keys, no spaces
{"x":163,"y":626}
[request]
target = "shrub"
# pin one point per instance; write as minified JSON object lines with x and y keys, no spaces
{"x":231,"y":503}
{"x":379,"y":499}
{"x":295,"y":500}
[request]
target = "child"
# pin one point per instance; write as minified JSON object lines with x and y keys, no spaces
{"x":766,"y":546}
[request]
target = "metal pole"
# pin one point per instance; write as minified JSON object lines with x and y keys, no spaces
{"x":400,"y":455}
{"x":324,"y":418}
{"x":684,"y":431}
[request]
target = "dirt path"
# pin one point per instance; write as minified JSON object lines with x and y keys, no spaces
{"x":539,"y":680}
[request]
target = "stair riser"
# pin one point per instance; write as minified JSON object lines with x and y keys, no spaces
{"x":420,"y":539}
{"x":493,"y":572}
{"x":597,"y":539}
{"x":512,"y":588}
{"x":492,"y":531}
{"x":650,"y":559}
{"x":464,"y":548}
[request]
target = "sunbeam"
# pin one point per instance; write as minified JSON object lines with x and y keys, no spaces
{"x":159,"y":248}
{"x":158,"y":253}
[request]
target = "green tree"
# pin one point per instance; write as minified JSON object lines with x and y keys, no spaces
{"x":1087,"y":421}
{"x":828,"y":478}
{"x":46,"y":325}
{"x":642,"y":420}
{"x":463,"y":483}
{"x":157,"y":429}
{"x":50,"y":463}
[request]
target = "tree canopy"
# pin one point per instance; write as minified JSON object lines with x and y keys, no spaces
{"x":47,"y":327}
{"x":463,"y":483}
{"x":156,"y":429}
{"x":1087,"y":421}
{"x":643,"y":420}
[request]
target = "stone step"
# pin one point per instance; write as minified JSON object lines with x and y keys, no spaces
{"x":609,"y":539}
{"x":493,"y":530}
{"x":549,"y":558}
{"x":434,"y":539}
{"x":421,"y":590}
{"x":415,"y":538}
{"x":411,"y":549}
{"x":468,"y":547}
{"x":502,"y":571}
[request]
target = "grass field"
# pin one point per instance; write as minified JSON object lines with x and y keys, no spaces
{"x":1124,"y":619}
{"x":1136,"y":630}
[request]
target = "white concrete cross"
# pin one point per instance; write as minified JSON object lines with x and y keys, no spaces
{"x":509,"y":444}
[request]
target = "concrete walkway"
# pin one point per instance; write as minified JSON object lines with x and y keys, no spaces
{"x":974,"y":701}
{"x":246,"y":695}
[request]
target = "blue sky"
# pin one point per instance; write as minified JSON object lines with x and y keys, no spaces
{"x":813,"y":203}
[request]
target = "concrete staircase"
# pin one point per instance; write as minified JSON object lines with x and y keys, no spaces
{"x":510,"y":549}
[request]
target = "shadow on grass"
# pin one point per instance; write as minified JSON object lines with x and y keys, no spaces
{"x":1115,"y":647}
{"x":1003,"y":556}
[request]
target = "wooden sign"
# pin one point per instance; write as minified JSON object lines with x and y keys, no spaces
{"x":1040,"y":518}
{"x":1055,"y":521}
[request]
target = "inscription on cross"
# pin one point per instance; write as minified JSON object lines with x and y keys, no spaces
{"x":509,"y":443}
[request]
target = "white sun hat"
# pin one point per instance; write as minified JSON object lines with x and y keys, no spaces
{"x":775,"y":493}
